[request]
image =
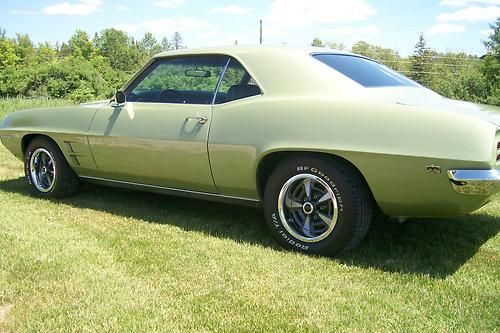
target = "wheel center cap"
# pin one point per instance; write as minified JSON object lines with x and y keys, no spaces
{"x":308,"y":208}
{"x":44,"y":170}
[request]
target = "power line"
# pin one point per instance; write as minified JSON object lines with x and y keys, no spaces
{"x":436,"y":64}
{"x":411,"y":72}
{"x":375,"y":53}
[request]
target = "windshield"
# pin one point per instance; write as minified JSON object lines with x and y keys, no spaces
{"x":366,"y":72}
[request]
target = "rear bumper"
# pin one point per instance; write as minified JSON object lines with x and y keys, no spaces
{"x":475,"y":182}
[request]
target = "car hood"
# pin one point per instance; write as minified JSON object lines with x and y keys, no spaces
{"x":425,"y":98}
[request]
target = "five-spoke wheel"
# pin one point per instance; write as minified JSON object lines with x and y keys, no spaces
{"x":47,"y":170}
{"x":42,"y":170}
{"x":308,"y":207}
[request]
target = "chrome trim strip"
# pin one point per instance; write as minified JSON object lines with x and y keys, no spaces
{"x":475,"y":182}
{"x":210,"y":196}
{"x":220,"y":80}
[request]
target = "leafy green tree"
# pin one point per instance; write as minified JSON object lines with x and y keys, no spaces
{"x":332,"y":45}
{"x":491,"y":64}
{"x":64,"y":51}
{"x":336,"y":46}
{"x":317,"y":42}
{"x":461,"y":82}
{"x":493,"y":42}
{"x":421,"y":65}
{"x":8,"y":56}
{"x":363,"y":48}
{"x":80,"y":45}
{"x":46,"y":53}
{"x":386,"y":56}
{"x":114,"y":45}
{"x":24,"y":48}
{"x":149,"y":45}
{"x":78,"y":69}
{"x":491,"y":70}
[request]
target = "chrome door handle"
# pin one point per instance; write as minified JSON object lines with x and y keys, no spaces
{"x":201,"y":120}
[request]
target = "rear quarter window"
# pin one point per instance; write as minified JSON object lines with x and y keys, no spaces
{"x":366,"y":72}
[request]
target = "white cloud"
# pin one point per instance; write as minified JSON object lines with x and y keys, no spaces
{"x":486,"y":32}
{"x":83,"y":7}
{"x":232,"y":10}
{"x":444,"y":28}
{"x":351,"y":31}
{"x":465,"y":3}
{"x":168,"y":25}
{"x":286,"y":15}
{"x":121,"y":8}
{"x":22,"y":12}
{"x":471,"y":14}
{"x":218,"y":37}
{"x":228,"y":40}
{"x":169,"y":3}
{"x":300,"y":13}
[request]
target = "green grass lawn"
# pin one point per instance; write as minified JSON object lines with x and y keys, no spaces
{"x":109,"y":260}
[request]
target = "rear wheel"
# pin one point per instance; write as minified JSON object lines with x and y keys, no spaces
{"x":317,"y":206}
{"x":47,"y":171}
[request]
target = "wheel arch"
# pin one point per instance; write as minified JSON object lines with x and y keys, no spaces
{"x":28,"y":138}
{"x":271,"y":160}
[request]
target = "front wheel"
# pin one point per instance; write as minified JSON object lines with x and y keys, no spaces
{"x":317,"y":206}
{"x":47,"y":171}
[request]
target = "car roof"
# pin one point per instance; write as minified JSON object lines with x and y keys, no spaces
{"x":243,"y":50}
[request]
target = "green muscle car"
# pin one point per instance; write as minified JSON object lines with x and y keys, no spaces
{"x":319,"y":138}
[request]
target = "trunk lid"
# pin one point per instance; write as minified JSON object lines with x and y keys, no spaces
{"x":425,"y":98}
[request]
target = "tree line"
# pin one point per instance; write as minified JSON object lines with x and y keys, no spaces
{"x":81,"y":69}
{"x":85,"y":68}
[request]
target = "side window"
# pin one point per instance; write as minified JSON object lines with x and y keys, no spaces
{"x":236,"y":84}
{"x":186,"y":80}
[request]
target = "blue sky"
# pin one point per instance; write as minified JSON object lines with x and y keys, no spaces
{"x":449,"y":25}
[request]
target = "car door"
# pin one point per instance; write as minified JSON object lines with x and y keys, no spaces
{"x":159,"y":137}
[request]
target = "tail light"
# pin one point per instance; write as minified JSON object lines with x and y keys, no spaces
{"x":498,"y":152}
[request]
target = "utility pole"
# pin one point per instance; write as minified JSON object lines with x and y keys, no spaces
{"x":260,"y":32}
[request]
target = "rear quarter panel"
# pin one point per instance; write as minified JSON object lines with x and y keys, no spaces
{"x":390,"y":144}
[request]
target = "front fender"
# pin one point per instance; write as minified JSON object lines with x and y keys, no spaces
{"x":67,"y":126}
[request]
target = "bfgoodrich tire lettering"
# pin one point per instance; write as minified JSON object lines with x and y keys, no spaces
{"x":47,"y":171}
{"x":318,"y":206}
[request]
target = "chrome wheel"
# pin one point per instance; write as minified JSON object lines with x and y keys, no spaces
{"x":308,"y":208}
{"x":42,"y":170}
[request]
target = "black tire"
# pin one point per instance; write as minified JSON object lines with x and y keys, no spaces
{"x":58,"y":180}
{"x":333,"y":179}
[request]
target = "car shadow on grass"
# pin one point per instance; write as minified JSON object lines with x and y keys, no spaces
{"x":433,"y":247}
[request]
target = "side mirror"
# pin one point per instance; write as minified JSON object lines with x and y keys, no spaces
{"x":120,"y":97}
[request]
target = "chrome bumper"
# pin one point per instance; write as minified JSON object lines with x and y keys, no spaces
{"x":475,"y":182}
